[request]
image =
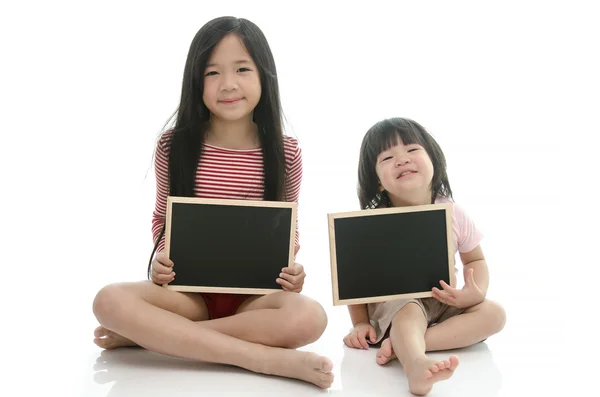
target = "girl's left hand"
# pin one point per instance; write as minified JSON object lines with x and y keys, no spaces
{"x":292,"y":278}
{"x":469,"y":295}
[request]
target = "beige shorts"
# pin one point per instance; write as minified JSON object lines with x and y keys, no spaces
{"x":382,"y":313}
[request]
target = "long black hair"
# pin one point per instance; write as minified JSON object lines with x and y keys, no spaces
{"x":384,"y":135}
{"x":189,"y":130}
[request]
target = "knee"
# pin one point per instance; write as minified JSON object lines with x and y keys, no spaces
{"x":495,"y":315}
{"x":408,"y":316}
{"x":307,"y":323}
{"x":106,"y":304}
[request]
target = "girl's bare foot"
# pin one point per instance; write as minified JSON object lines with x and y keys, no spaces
{"x":305,"y":366}
{"x":107,"y":339}
{"x":289,"y":363}
{"x":386,"y":352}
{"x":423,"y":372}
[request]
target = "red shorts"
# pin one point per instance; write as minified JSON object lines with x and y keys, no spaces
{"x":222,"y":305}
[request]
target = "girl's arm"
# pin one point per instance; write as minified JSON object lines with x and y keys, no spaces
{"x":362,"y":328}
{"x":358,"y":314}
{"x":294,"y":172}
{"x":161,"y":169}
{"x":475,"y":260}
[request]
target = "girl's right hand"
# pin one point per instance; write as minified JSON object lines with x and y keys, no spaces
{"x":358,"y":337}
{"x":162,"y":269}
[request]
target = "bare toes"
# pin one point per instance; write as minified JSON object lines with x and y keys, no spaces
{"x":453,"y":362}
{"x":326,"y":380}
{"x":103,"y":343}
{"x":326,"y":365}
{"x":100,"y":332}
{"x":385,"y":353}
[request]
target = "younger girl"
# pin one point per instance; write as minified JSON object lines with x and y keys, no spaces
{"x":227,"y":143}
{"x":401,"y":164}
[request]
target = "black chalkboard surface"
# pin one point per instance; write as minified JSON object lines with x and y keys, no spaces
{"x":383,"y":254}
{"x":232,"y":246}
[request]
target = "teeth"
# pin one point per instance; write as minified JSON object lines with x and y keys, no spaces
{"x":406,"y":173}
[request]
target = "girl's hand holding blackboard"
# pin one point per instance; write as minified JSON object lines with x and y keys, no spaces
{"x":292,"y":278}
{"x":162,"y":269}
{"x":358,"y":337}
{"x":469,"y":295}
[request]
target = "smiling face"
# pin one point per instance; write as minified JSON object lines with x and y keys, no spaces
{"x":232,"y":86}
{"x":405,"y":172}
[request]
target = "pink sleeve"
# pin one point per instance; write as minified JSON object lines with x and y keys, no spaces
{"x":469,"y":236}
{"x":293,"y":180}
{"x":161,"y":170}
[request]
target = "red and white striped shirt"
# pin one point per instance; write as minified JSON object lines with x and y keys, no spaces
{"x":225,"y":174}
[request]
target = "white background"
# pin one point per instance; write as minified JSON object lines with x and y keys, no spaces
{"x":509,"y":89}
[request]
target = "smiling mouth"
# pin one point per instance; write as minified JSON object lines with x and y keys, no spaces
{"x":230,"y":101}
{"x":405,"y":173}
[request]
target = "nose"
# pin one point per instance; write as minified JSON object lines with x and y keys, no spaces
{"x":229,"y":82}
{"x":402,"y":160}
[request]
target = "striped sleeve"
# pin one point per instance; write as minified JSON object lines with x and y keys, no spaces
{"x":161,"y":169}
{"x":293,"y":181}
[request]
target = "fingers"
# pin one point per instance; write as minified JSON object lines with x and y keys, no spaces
{"x":292,"y":278}
{"x":295,"y":280}
{"x":160,"y":278}
{"x":358,"y":337}
{"x":354,"y":340}
{"x":347,"y":340}
{"x":437,"y":294}
{"x":444,"y":297}
{"x":362,"y":339}
{"x":447,"y":288}
{"x":159,"y":268}
{"x":287,"y":286}
{"x":164,"y":259}
{"x":447,"y":296}
{"x":296,"y":249}
{"x":293,"y":270}
{"x":162,"y":269}
{"x":293,"y":275}
{"x":372,"y":334}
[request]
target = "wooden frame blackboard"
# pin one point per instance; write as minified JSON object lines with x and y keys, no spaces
{"x":229,"y":246}
{"x":383,"y":254}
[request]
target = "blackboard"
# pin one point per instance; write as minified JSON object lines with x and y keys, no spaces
{"x":382,"y":254}
{"x":230,"y":246}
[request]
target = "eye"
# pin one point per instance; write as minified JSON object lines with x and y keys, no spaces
{"x":414,"y":149}
{"x":243,"y":70}
{"x":211,"y":73}
{"x":386,"y":158}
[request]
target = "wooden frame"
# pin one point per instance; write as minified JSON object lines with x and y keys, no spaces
{"x":229,"y":202}
{"x":377,"y":212}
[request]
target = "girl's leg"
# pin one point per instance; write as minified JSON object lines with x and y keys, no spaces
{"x":280,"y":319}
{"x":188,"y":305}
{"x":476,"y":324}
{"x":407,"y":335}
{"x":158,"y":319}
